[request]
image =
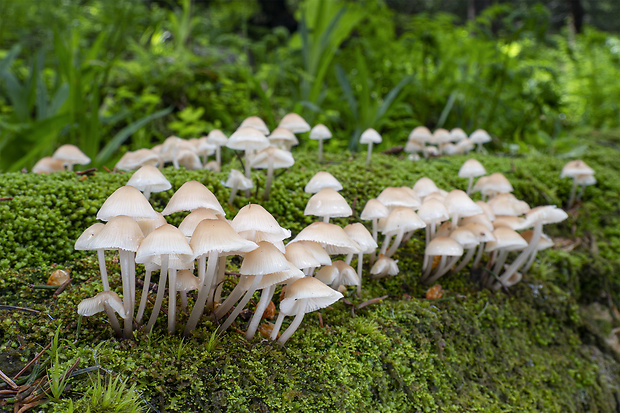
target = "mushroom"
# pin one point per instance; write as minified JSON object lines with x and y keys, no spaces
{"x":471,"y":169}
{"x":320,"y":133}
{"x":256,"y":123}
{"x":107,"y":301}
{"x":134,"y":160}
{"x":327,"y":204}
{"x":83,"y":243}
{"x":186,"y":281}
{"x":370,"y":137}
{"x":294,"y":123}
{"x":384,"y":266}
{"x":247,"y":139}
{"x":236,"y":181}
{"x":149,"y":179}
{"x":443,"y":247}
{"x":272,"y":158}
{"x":479,"y":137}
{"x":573,"y":169}
{"x":217,"y":138}
{"x":303,"y":296}
{"x":400,"y":221}
{"x":368,"y":245}
{"x":193,"y":195}
{"x":71,"y":155}
{"x":283,"y":138}
{"x":322,"y":180}
{"x":48,"y":165}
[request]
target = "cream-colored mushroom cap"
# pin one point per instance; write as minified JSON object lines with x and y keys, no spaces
{"x":465,"y":237}
{"x":508,"y":204}
{"x":458,"y":202}
{"x":151,"y":178}
{"x":218,"y":235}
{"x":471,"y":168}
{"x":486,"y":209}
{"x":193,"y":195}
{"x":96,"y":304}
{"x":421,"y":134}
{"x":148,"y":225}
{"x":238,"y":180}
{"x":358,"y":232}
{"x":544,"y":242}
{"x":574,"y":168}
{"x":190,"y":222}
{"x":314,"y":293}
{"x":482,"y":233}
{"x":322,"y":180}
{"x":374,"y":209}
{"x":339,"y":273}
{"x":441,"y":136}
{"x":458,"y":134}
{"x":393,"y":197}
{"x":585,"y":180}
{"x":432,"y":210}
{"x":283,"y":136}
{"x":294,"y":123}
{"x":370,"y":136}
{"x":217,"y":138}
{"x":254,"y":217}
{"x":83,"y":241}
{"x":136,"y":159}
{"x":277,"y":158}
{"x":246,"y":138}
{"x":402,"y":219}
{"x":48,"y":165}
{"x":424,"y":187}
{"x":546,"y":214}
{"x":265,"y":259}
{"x":444,"y":246}
{"x":126,"y":200}
{"x":477,"y":219}
{"x":384,"y":266}
{"x":493,"y":184}
{"x":480,"y":136}
{"x":120,"y":233}
{"x":330,"y":236}
{"x":256,"y":123}
{"x":186,"y":281}
{"x":328,"y":202}
{"x":320,"y":132}
{"x":278,"y":277}
{"x":71,"y":155}
{"x":166,"y":239}
{"x":506,"y":238}
{"x":307,"y":252}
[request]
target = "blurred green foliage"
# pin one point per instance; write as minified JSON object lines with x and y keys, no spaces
{"x":117,"y":76}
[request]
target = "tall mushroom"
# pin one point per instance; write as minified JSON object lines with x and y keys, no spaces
{"x":320,"y":133}
{"x":272,"y":158}
{"x":370,"y":137}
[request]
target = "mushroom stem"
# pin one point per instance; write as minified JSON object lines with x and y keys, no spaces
{"x":145,"y":294}
{"x":500,"y":260}
{"x":203,"y":294}
{"x":369,"y":154}
{"x":444,"y":267}
{"x":320,"y":150}
{"x":478,"y":255}
{"x":573,"y":190}
{"x":326,"y":218}
{"x":295,"y":323}
{"x":113,"y":320}
{"x":428,"y":260}
{"x":161,"y":290}
{"x":230,"y":301}
{"x":277,"y":326}
{"x":221,"y":276}
{"x":172,"y":300}
{"x":103,"y":269}
{"x":248,"y":170}
{"x":531,"y":248}
{"x":360,"y":262}
{"x":386,"y":242}
{"x":469,"y":185}
{"x":468,"y":256}
{"x":244,"y":301}
{"x":183,"y":296}
{"x":269,"y":179}
{"x":529,"y":263}
{"x":375,"y":235}
{"x":147,"y":193}
{"x":233,"y":193}
{"x":265,"y":299}
{"x":218,"y":156}
{"x":124,"y":258}
{"x":396,"y":243}
{"x":455,"y":221}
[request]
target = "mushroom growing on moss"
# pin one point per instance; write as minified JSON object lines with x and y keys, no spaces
{"x":370,"y":137}
{"x":320,"y":133}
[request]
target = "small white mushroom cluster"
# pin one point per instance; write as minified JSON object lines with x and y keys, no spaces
{"x":63,"y":159}
{"x":581,"y":174}
{"x":444,"y":142}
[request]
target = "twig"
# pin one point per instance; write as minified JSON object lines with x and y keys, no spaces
{"x":8,"y":198}
{"x":8,"y":380}
{"x":371,"y":301}
{"x":27,"y":310}
{"x":86,"y":171}
{"x":32,"y":361}
{"x":320,"y":319}
{"x":62,"y":287}
{"x":105,"y":168}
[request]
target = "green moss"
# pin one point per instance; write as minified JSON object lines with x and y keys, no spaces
{"x":475,"y":350}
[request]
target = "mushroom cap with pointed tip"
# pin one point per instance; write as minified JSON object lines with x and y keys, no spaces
{"x":322,"y":180}
{"x":277,"y":158}
{"x":370,"y":136}
{"x":48,"y":165}
{"x":149,"y":225}
{"x":294,"y":123}
{"x":315,"y":294}
{"x":362,"y":236}
{"x":151,"y":178}
{"x":444,"y":246}
{"x":246,"y":138}
{"x":458,"y":134}
{"x":283,"y":136}
{"x":471,"y":168}
{"x":506,"y":238}
{"x":465,"y":237}
{"x":374,"y":209}
{"x":320,"y":132}
{"x":393,"y":197}
{"x":217,"y":137}
{"x":574,"y":168}
{"x":192,"y":195}
{"x":265,"y":259}
{"x":402,"y":219}
{"x":328,"y":202}
{"x":433,"y":210}
{"x":480,"y":136}
{"x":238,"y":180}
{"x":312,"y":249}
{"x":384,"y":266}
{"x":508,"y":204}
{"x":254,"y":217}
{"x":71,"y":155}
{"x":216,"y":235}
{"x":136,"y":159}
{"x":191,"y":221}
{"x":256,"y":123}
{"x":420,"y":134}
{"x":126,"y":200}
{"x":424,"y":187}
{"x":330,"y":236}
{"x":120,"y":233}
{"x":458,"y":202}
{"x":166,"y":239}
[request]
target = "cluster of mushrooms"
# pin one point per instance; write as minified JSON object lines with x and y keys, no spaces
{"x":194,"y":256}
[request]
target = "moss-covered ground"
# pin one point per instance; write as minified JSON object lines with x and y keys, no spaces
{"x":536,"y":347}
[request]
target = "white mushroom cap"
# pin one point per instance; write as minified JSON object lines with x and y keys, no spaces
{"x":339,"y":273}
{"x":547,"y":214}
{"x":192,"y":195}
{"x":294,"y":123}
{"x":151,"y":178}
{"x":574,"y":168}
{"x":48,"y":165}
{"x":393,"y":197}
{"x":384,"y":266}
{"x":166,"y":239}
{"x":465,"y":237}
{"x":421,"y":134}
{"x":512,"y":222}
{"x":71,"y":155}
{"x":256,"y":123}
{"x":302,"y":257}
{"x":374,"y":209}
{"x":330,"y":236}
{"x":237,"y":179}
{"x":441,"y":136}
{"x":370,"y":136}
{"x":136,"y":159}
{"x":278,"y":277}
{"x":585,"y":180}
{"x":315,"y":294}
{"x":508,"y":204}
{"x":471,"y":168}
{"x":480,"y":136}
{"x":486,"y":209}
{"x":96,"y":304}
{"x":191,"y":221}
{"x":120,"y":233}
{"x":186,"y":281}
{"x":126,"y":200}
{"x":322,"y":180}
{"x":320,"y":132}
{"x":148,"y":225}
{"x":189,"y":159}
{"x":433,"y":210}
{"x":313,"y":248}
{"x":402,"y":219}
{"x":217,"y":137}
{"x":444,"y":246}
{"x":362,"y":236}
{"x":458,"y":202}
{"x":482,"y":233}
{"x":265,"y":259}
{"x":83,"y":241}
{"x":481,"y":219}
{"x":544,"y":242}
{"x":246,"y":138}
{"x":218,"y":235}
{"x":277,"y":158}
{"x":283,"y":136}
{"x":506,"y":238}
{"x":254,"y":217}
{"x":424,"y":187}
{"x":458,"y":134}
{"x":328,"y":202}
